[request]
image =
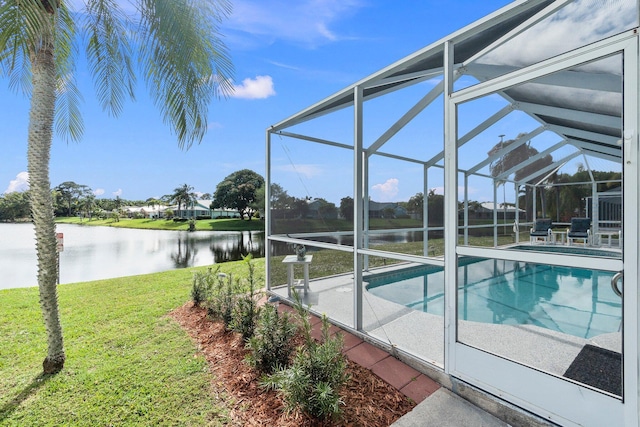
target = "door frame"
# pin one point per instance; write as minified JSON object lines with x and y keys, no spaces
{"x":521,"y":385}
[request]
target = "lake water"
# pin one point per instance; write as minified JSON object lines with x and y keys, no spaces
{"x":93,"y":253}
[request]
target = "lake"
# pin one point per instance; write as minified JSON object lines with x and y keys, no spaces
{"x":93,"y":253}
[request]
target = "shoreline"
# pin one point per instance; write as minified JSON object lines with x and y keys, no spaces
{"x":220,"y":224}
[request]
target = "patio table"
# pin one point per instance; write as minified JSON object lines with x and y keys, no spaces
{"x":291,"y":261}
{"x":556,"y":233}
{"x":608,"y":234}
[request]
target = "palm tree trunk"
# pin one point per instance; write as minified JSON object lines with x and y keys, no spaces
{"x":41,"y":118}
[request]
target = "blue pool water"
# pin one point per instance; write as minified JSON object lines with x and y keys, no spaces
{"x":573,"y":301}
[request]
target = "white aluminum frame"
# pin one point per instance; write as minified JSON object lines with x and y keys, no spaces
{"x":533,"y":390}
{"x":521,"y":385}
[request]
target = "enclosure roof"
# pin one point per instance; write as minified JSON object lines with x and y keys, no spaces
{"x":593,"y":127}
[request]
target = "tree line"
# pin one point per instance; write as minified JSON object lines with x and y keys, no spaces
{"x":244,"y":192}
{"x":240,"y":191}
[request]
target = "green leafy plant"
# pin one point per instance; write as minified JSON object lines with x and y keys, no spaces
{"x":222,"y":299}
{"x":246,"y":310}
{"x":272,"y":345}
{"x":318,"y":372}
{"x":202,"y":285}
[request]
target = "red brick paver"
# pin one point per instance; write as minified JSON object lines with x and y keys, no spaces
{"x":399,"y":375}
{"x":366,"y":355}
{"x":420,"y":388}
{"x":395,"y":372}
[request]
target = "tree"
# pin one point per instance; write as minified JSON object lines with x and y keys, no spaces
{"x":416,"y":204}
{"x":300,"y":207}
{"x":181,"y":58}
{"x":238,"y":191}
{"x":346,"y":208}
{"x":518,"y":156}
{"x":258,"y":204}
{"x":183,"y":195}
{"x":435,"y":205}
{"x":72,"y":194}
{"x":326,"y":209}
{"x":14,"y":205}
{"x":281,"y":202}
{"x":88,"y":203}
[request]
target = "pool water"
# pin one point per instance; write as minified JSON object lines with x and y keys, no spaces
{"x":574,"y":301}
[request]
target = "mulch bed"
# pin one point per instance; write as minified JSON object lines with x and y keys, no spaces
{"x":369,"y":401}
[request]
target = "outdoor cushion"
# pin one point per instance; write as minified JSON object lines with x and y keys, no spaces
{"x":579,"y":227}
{"x":541,"y":227}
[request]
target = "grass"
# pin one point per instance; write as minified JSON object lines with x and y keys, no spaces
{"x":330,"y":262}
{"x":284,"y":226}
{"x":127,"y":362}
{"x":224,"y":224}
{"x":234,"y":224}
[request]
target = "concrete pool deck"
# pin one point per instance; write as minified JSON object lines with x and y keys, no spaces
{"x":421,"y":334}
{"x":436,"y":405}
{"x":413,"y":337}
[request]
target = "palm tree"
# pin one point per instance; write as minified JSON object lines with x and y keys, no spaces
{"x":180,"y":56}
{"x":183,"y":195}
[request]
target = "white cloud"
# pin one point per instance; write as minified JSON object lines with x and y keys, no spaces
{"x":98,"y":192}
{"x":307,"y":22}
{"x":283,"y":65}
{"x":117,"y":193}
{"x":388,"y":190}
{"x":21,"y":183}
{"x":259,"y":88}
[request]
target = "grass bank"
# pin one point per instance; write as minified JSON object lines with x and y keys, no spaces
{"x":127,"y":362}
{"x":224,"y":224}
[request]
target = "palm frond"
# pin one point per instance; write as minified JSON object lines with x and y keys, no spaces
{"x":181,"y":53}
{"x":68,"y":120}
{"x":109,"y":54}
{"x":22,"y":25}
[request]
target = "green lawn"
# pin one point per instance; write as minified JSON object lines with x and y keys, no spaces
{"x":128,"y":363}
{"x":225,"y":224}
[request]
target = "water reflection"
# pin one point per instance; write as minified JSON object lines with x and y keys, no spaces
{"x":516,"y":295}
{"x":92,"y":253}
{"x":375,"y":238}
{"x":186,"y":253}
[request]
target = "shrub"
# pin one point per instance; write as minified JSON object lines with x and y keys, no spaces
{"x":271,"y":346}
{"x":317,"y":374}
{"x":246,"y":310}
{"x":222,"y":299}
{"x":202,"y":285}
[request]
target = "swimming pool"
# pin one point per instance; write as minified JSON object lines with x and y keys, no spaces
{"x":574,"y":301}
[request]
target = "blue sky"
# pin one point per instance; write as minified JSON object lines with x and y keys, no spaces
{"x":287,"y":56}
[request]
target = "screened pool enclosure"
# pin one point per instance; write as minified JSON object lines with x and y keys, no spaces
{"x":420,"y":191}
